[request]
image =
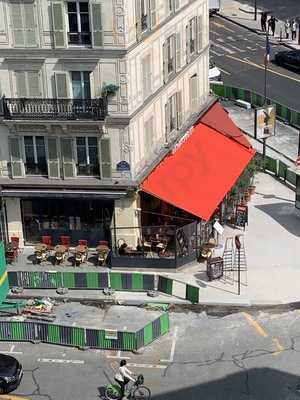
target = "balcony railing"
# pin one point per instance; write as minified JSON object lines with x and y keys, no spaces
{"x":80,"y":38}
{"x":55,"y":109}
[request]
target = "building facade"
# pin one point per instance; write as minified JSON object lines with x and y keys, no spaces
{"x":93,"y":94}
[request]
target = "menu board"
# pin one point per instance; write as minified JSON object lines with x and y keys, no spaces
{"x":241,"y":216}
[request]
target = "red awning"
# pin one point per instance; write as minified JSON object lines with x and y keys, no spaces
{"x":199,"y":172}
{"x":218,"y":119}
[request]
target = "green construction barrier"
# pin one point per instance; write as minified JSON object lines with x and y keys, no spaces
{"x":128,"y":341}
{"x":271,"y":164}
{"x":78,"y":337}
{"x":53,"y":334}
{"x":68,"y":280}
{"x":192,"y":294}
{"x":291,"y":177}
{"x":4,"y":287}
{"x":164,"y":323}
{"x":282,"y":169}
{"x":116,"y":280}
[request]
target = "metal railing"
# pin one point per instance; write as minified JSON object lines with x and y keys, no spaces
{"x":60,"y":109}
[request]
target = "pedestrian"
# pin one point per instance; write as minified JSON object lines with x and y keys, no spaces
{"x":272,"y":24}
{"x":287,"y":27}
{"x":263,"y":21}
{"x":294,"y":29}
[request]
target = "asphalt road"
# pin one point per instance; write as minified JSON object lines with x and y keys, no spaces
{"x":282,"y":9}
{"x":239,"y":53}
{"x":234,"y":357}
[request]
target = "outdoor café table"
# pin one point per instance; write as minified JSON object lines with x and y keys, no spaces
{"x":41,"y":247}
{"x":81,"y":249}
{"x":60,"y":248}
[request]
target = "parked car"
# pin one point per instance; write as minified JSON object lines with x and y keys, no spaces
{"x":290,"y":59}
{"x":11,"y":373}
{"x":214,"y":73}
{"x":214,"y":6}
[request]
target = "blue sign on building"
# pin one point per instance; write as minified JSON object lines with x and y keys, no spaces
{"x":123,"y":166}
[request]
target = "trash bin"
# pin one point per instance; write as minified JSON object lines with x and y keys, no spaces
{"x":214,"y":268}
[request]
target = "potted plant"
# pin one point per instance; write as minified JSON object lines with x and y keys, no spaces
{"x":109,"y":89}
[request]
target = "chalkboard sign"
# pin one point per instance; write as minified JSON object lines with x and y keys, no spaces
{"x":241,"y":216}
{"x":215,"y":268}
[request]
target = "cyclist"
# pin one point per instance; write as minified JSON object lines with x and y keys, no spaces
{"x":123,"y":376}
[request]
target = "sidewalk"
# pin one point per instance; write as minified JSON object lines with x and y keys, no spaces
{"x":243,"y":15}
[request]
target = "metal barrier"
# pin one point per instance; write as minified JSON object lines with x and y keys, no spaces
{"x":83,"y":337}
{"x":178,"y":289}
{"x":292,"y":117}
{"x":4,"y":288}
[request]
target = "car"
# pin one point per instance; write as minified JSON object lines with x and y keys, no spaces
{"x":290,"y":59}
{"x":214,"y":73}
{"x":11,"y":373}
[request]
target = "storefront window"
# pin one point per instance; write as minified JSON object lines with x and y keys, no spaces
{"x":81,"y":219}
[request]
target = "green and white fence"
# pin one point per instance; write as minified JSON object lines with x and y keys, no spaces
{"x":84,"y":337}
{"x":178,"y":289}
{"x":4,"y":288}
{"x":286,"y":114}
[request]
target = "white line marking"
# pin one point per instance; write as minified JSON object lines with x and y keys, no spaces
{"x":59,"y":361}
{"x":250,"y":48}
{"x":222,"y":47}
{"x":11,"y":352}
{"x":214,"y":32}
{"x":156,"y":366}
{"x":12,"y":348}
{"x":119,"y":357}
{"x":221,"y":40}
{"x":216,"y":53}
{"x":225,"y":72}
{"x":173,"y":346}
{"x":236,"y":48}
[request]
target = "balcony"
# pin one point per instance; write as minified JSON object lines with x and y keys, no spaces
{"x":55,"y":109}
{"x":79,"y":38}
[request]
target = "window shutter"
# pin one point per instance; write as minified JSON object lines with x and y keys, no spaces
{"x":105,"y":158}
{"x":68,"y":157}
{"x":33,"y":80}
{"x":193,"y":88}
{"x":21,"y":84}
{"x":96,"y":24}
{"x":58,"y":25}
{"x":199,"y":33}
{"x":138,"y":18}
{"x":61,"y":85}
{"x":167,"y":120}
{"x":30,"y":25}
{"x":179,"y":108}
{"x":177,"y":4}
{"x":148,"y":127}
{"x":53,"y":159}
{"x":165,"y":62}
{"x":15,"y":149}
{"x":17,"y":23}
{"x":187,"y":47}
{"x":178,"y":51}
{"x":153,"y":13}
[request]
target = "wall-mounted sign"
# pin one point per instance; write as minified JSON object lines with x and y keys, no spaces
{"x":265,"y":120}
{"x":123,"y":166}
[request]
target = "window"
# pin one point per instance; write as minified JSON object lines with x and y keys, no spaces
{"x":79,"y":24}
{"x":81,"y":85}
{"x":192,"y":27}
{"x":87,"y":156}
{"x":23,"y":22}
{"x":148,"y":138}
{"x":173,"y":112}
{"x":35,"y":155}
{"x":145,"y":15}
{"x":27,"y":84}
{"x":172,"y":5}
{"x":146,"y":76}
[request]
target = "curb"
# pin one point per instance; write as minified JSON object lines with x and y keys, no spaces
{"x":253,"y":30}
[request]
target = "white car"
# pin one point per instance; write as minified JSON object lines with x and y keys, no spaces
{"x":214,"y":73}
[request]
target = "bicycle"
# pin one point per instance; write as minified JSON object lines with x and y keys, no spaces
{"x":135,"y":390}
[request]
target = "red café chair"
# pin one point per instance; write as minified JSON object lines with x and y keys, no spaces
{"x":66,"y":241}
{"x":15,"y":241}
{"x":82,"y":242}
{"x":103,"y":243}
{"x":48,"y":241}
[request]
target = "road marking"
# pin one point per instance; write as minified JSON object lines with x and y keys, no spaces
{"x":250,"y":48}
{"x":222,"y":47}
{"x":262,"y":67}
{"x":155,"y":366}
{"x":225,"y":72}
{"x":222,"y":26}
{"x":216,"y":53}
{"x":221,"y":40}
{"x":279,"y":347}
{"x":255,"y":325}
{"x":59,"y":361}
{"x":118,"y":355}
{"x":236,"y":48}
{"x":173,"y":346}
{"x":214,"y":32}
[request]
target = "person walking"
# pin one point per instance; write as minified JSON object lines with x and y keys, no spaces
{"x":294,"y":29}
{"x":263,"y":21}
{"x":287,"y":27}
{"x":272,"y":24}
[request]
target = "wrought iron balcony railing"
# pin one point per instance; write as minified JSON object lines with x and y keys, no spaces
{"x":55,"y":109}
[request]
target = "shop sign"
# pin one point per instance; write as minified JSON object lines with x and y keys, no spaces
{"x":123,"y":166}
{"x":265,"y":121}
{"x":241,"y":216}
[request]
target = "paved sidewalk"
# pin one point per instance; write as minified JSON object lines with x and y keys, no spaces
{"x":243,"y":15}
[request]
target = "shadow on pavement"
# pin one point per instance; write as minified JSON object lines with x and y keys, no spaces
{"x":284,"y":214}
{"x":252,"y":384}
